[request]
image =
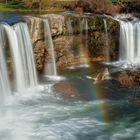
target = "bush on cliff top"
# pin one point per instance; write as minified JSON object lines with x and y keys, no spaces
{"x":16,"y":4}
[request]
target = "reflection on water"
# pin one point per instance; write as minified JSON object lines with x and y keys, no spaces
{"x":100,"y":112}
{"x":10,"y":17}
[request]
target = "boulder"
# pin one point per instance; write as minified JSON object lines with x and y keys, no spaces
{"x":66,"y":89}
{"x":129,"y":78}
{"x":125,"y":79}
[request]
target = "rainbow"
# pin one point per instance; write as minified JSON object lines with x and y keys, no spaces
{"x":102,"y":106}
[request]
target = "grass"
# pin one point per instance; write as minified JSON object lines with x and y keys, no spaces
{"x":3,"y":7}
{"x":11,"y":7}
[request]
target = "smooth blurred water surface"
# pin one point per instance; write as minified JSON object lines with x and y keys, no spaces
{"x":11,"y":17}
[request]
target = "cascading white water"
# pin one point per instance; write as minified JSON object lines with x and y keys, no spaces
{"x":70,"y":30}
{"x":4,"y":80}
{"x":83,"y":52}
{"x":12,"y":39}
{"x":130,"y":41}
{"x":50,"y":67}
{"x":26,"y":51}
{"x":86,"y":26}
{"x":107,"y":49}
{"x":69,"y":26}
{"x":21,"y":49}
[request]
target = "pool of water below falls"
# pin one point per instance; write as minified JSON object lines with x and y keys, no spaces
{"x":100,"y":112}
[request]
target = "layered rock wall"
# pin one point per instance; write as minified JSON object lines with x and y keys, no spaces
{"x":36,"y":28}
{"x":66,"y":45}
{"x":97,"y":37}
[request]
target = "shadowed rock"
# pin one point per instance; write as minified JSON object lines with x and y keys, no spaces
{"x":66,"y":89}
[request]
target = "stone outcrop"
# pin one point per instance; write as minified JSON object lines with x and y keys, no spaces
{"x":67,"y":50}
{"x":64,"y":54}
{"x":129,"y":78}
{"x":57,"y":23}
{"x":97,"y":37}
{"x":125,"y":79}
{"x":36,"y":28}
{"x":67,"y":44}
{"x":40,"y":52}
{"x":66,"y":89}
{"x":101,"y":75}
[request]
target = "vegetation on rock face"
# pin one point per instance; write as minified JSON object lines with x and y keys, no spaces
{"x":112,"y":6}
{"x":130,"y":6}
{"x":97,"y":40}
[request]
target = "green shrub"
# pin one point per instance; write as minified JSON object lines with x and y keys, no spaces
{"x":16,"y":4}
{"x":114,"y":1}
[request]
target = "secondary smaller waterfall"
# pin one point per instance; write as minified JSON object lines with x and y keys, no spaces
{"x":85,"y":26}
{"x":107,"y":49}
{"x":4,"y":80}
{"x":69,"y":26}
{"x":130,"y":41}
{"x":50,"y":67}
{"x":83,"y":51}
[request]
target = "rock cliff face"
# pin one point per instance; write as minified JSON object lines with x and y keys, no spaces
{"x":64,"y":54}
{"x":99,"y":42}
{"x":69,"y":38}
{"x":36,"y":28}
{"x":57,"y":23}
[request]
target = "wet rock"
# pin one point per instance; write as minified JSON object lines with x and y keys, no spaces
{"x":129,"y":78}
{"x":66,"y":89}
{"x":40,"y":53}
{"x":136,"y":76}
{"x":10,"y":67}
{"x":97,"y":40}
{"x":101,"y":75}
{"x":65,"y":50}
{"x":36,"y":28}
{"x":125,"y":79}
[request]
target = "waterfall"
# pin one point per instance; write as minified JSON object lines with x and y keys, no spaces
{"x":70,"y":30}
{"x":69,"y":26}
{"x":107,"y":49}
{"x":130,"y":41}
{"x":4,"y":81}
{"x":21,"y":49}
{"x":50,"y":67}
{"x":81,"y":27}
{"x":83,"y":51}
{"x":27,"y":56}
{"x":86,"y":26}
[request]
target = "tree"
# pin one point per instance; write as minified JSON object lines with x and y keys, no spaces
{"x":130,"y":6}
{"x":99,"y":6}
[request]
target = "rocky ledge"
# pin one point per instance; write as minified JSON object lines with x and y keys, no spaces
{"x":69,"y":33}
{"x":129,"y":78}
